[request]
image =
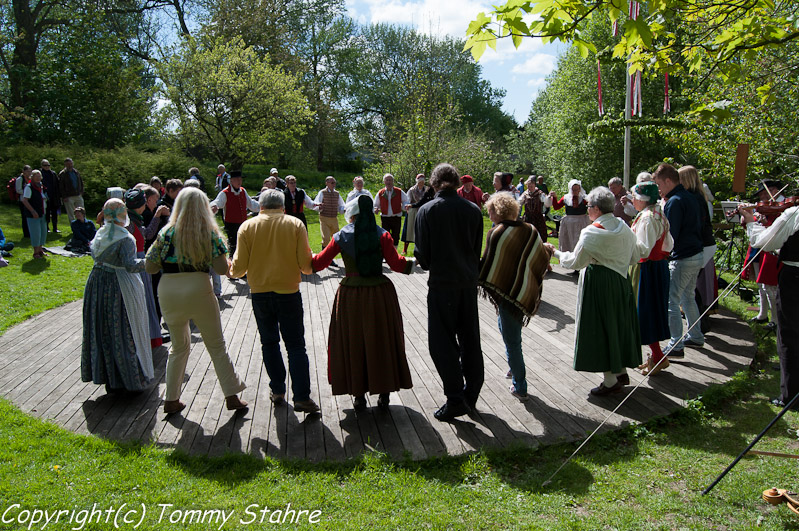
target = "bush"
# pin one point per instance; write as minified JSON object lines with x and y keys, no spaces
{"x":101,"y":168}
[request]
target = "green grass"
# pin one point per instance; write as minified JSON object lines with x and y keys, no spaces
{"x":646,"y":476}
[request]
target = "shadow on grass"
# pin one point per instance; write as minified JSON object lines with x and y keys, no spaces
{"x":35,"y":266}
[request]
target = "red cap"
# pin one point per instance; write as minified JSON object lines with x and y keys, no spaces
{"x":467,"y":179}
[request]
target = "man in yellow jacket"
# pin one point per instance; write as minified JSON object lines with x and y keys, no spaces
{"x":273,"y":251}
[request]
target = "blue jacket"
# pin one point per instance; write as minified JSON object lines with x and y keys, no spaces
{"x":82,"y":232}
{"x":683,"y":210}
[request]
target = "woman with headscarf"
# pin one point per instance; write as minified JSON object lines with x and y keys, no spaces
{"x":576,"y":218}
{"x":116,"y":348}
{"x":503,"y":182}
{"x":185,"y":250}
{"x":608,"y":337}
{"x":650,"y":275}
{"x":366,"y":345}
{"x":136,"y":203}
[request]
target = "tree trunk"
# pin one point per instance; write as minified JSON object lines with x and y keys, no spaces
{"x":23,"y":58}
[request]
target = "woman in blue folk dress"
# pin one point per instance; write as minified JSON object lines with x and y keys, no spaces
{"x":116,"y":341}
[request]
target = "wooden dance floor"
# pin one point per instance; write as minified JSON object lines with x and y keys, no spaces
{"x":40,"y":374}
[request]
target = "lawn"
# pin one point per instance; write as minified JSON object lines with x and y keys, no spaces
{"x":646,"y":476}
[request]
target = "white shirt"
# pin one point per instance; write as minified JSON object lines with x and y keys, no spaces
{"x":358,"y":193}
{"x":389,"y":194}
{"x":27,"y":194}
{"x":221,"y":200}
{"x":613,"y":247}
{"x":648,"y":228}
{"x":771,"y":239}
{"x":321,"y":197}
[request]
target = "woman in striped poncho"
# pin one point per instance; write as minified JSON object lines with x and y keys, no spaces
{"x":512,"y":271}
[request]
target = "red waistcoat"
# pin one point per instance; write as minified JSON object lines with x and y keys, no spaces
{"x":396,"y":201}
{"x":235,"y":206}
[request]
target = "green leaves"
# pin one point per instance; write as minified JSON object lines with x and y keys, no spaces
{"x":226,"y":97}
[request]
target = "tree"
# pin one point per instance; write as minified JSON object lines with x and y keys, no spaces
{"x":101,"y":44}
{"x":565,"y":138}
{"x":229,"y":100}
{"x":398,"y":66}
{"x":706,"y":37}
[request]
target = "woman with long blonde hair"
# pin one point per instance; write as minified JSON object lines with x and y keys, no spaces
{"x":707,"y":283}
{"x":186,"y":249}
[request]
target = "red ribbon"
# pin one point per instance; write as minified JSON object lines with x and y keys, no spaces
{"x":667,"y":103}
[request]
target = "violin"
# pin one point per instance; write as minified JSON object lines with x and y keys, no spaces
{"x":770,"y":208}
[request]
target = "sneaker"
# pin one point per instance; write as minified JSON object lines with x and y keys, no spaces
{"x":509,"y":376}
{"x":771,"y":326}
{"x":676,"y":353}
{"x":277,"y":398}
{"x":523,"y":397}
{"x":306,"y":406}
{"x":692,"y":343}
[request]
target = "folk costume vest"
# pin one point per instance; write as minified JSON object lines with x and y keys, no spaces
{"x":235,"y":206}
{"x":396,"y":201}
{"x":329,"y":206}
{"x":296,"y":204}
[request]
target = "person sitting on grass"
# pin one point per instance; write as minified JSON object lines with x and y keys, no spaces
{"x":5,"y":246}
{"x":83,"y":232}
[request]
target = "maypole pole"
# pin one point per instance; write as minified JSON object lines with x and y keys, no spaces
{"x":627,"y":117}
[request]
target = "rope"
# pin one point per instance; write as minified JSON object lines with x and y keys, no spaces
{"x":723,"y":294}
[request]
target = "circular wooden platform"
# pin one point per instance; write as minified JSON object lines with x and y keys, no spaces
{"x":40,"y":362}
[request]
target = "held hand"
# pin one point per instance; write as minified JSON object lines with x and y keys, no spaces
{"x":163,"y":211}
{"x":229,"y":263}
{"x":550,"y":248}
{"x":625,"y":200}
{"x":485,"y":197}
{"x":214,"y":209}
{"x":407,"y":208}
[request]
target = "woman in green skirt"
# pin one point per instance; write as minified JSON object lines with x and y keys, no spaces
{"x":608,"y":336}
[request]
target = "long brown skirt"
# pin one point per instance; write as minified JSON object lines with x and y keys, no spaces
{"x":366,"y":346}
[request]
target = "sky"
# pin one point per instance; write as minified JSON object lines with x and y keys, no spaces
{"x":521,"y":72}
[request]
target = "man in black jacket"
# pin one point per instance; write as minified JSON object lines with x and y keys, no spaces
{"x":449,"y":233}
{"x":50,"y":181}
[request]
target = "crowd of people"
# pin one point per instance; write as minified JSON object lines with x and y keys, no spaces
{"x":644,"y":258}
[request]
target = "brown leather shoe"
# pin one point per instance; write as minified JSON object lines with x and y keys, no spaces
{"x":306,"y":406}
{"x":233,"y":402}
{"x":653,"y":368}
{"x":173,"y":406}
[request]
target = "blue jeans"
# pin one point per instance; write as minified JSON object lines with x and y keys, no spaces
{"x":281,"y":314}
{"x":38,"y":231}
{"x":217,"y":283}
{"x":511,"y":329}
{"x":683,"y":274}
